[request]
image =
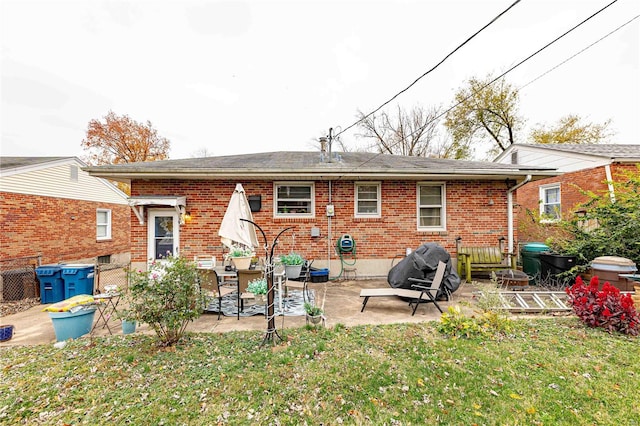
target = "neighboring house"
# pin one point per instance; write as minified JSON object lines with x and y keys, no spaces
{"x":386,"y":203}
{"x":588,"y":167}
{"x":51,"y":208}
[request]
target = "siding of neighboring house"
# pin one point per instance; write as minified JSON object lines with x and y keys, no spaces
{"x":475,"y":211}
{"x":60,"y":230}
{"x":571,"y":183}
{"x":49,"y":209}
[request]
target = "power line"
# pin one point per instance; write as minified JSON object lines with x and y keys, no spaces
{"x":432,"y":69}
{"x":502,"y":75}
{"x":581,"y":51}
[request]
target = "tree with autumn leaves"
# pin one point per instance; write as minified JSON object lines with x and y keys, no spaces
{"x":120,"y":139}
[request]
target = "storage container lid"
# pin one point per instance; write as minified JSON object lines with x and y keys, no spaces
{"x":536,"y":247}
{"x":613,"y":263}
{"x":613,"y":260}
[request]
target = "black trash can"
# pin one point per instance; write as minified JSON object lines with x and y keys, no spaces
{"x":552,"y":265}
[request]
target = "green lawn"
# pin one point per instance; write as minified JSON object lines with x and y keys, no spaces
{"x":550,"y":371}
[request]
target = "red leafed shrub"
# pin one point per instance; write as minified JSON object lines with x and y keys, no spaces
{"x":605,"y":308}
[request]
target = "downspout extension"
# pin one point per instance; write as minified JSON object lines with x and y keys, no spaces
{"x":510,"y":192}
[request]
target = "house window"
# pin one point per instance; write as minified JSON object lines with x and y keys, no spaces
{"x":103,"y":224}
{"x":550,"y":206}
{"x":431,"y":207}
{"x":294,"y":199}
{"x":367,"y":199}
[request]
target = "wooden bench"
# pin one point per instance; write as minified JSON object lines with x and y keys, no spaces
{"x":482,"y":259}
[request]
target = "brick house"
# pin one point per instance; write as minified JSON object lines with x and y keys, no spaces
{"x":53,"y":209}
{"x":588,"y":167}
{"x":385,"y":203}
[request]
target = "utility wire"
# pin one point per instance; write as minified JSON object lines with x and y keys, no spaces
{"x":500,"y":76}
{"x":581,"y":51}
{"x":432,"y":69}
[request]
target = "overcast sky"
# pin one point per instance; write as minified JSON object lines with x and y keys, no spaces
{"x":236,"y":77}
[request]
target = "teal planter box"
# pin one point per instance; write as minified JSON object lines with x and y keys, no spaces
{"x":71,"y":325}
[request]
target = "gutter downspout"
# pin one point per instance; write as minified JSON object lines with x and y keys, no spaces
{"x":612,"y":194}
{"x":510,"y":212}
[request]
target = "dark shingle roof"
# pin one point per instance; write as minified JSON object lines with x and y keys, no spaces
{"x":15,"y":162}
{"x":308,"y":163}
{"x":600,"y":150}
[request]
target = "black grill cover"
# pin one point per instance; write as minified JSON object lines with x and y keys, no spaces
{"x":422,"y":263}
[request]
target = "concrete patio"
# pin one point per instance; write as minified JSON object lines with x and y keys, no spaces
{"x":342,"y":306}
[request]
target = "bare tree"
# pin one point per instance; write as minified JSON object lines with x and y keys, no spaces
{"x":412,"y":133}
{"x":202,"y":152}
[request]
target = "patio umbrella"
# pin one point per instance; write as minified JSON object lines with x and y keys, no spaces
{"x":232,"y":229}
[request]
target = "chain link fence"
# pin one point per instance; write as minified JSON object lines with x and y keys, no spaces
{"x":20,"y":286}
{"x":111,"y":275}
{"x":18,"y":278}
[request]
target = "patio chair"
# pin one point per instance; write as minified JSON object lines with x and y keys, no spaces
{"x":244,"y":276}
{"x":221,"y":290}
{"x":304,"y":284}
{"x":429,"y":289}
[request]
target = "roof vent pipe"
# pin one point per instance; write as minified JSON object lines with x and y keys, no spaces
{"x":323,"y":145}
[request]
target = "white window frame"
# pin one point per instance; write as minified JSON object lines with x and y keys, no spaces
{"x":106,"y":226}
{"x":356,"y":200}
{"x":544,"y":216}
{"x":277,"y":185}
{"x":151,"y":233}
{"x":442,"y":206}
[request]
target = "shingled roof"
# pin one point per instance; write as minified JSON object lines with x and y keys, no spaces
{"x":16,"y":162}
{"x":316,"y":166}
{"x":611,"y":151}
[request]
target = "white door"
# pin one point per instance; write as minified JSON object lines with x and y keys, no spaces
{"x":163,"y":233}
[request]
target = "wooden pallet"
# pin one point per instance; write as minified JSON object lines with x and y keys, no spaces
{"x":534,"y":301}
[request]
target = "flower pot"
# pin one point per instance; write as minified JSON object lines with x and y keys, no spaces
{"x":314,"y":319}
{"x":6,"y":333}
{"x":293,"y":271}
{"x":242,"y":262}
{"x":128,"y":327}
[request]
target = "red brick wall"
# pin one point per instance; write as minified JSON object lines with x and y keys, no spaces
{"x":60,"y":230}
{"x":469,"y":215}
{"x":570,"y":184}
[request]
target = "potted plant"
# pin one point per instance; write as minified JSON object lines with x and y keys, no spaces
{"x":258,"y":287}
{"x":314,"y":313}
{"x":292,"y":264}
{"x":240,"y":256}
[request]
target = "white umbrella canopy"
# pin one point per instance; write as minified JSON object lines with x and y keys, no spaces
{"x":232,"y":229}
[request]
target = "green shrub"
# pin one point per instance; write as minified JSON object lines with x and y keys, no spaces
{"x":487,"y":324}
{"x":167,"y":297}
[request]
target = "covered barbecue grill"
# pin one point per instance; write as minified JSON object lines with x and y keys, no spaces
{"x":422,"y":263}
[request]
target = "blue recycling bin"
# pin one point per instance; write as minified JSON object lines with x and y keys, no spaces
{"x":51,"y":283}
{"x":78,"y":279}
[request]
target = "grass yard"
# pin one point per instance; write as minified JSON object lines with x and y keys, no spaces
{"x":550,"y":371}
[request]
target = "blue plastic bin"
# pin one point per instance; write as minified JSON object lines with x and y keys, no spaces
{"x":78,"y":279}
{"x":71,"y":325}
{"x":51,"y":283}
{"x":320,"y":275}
